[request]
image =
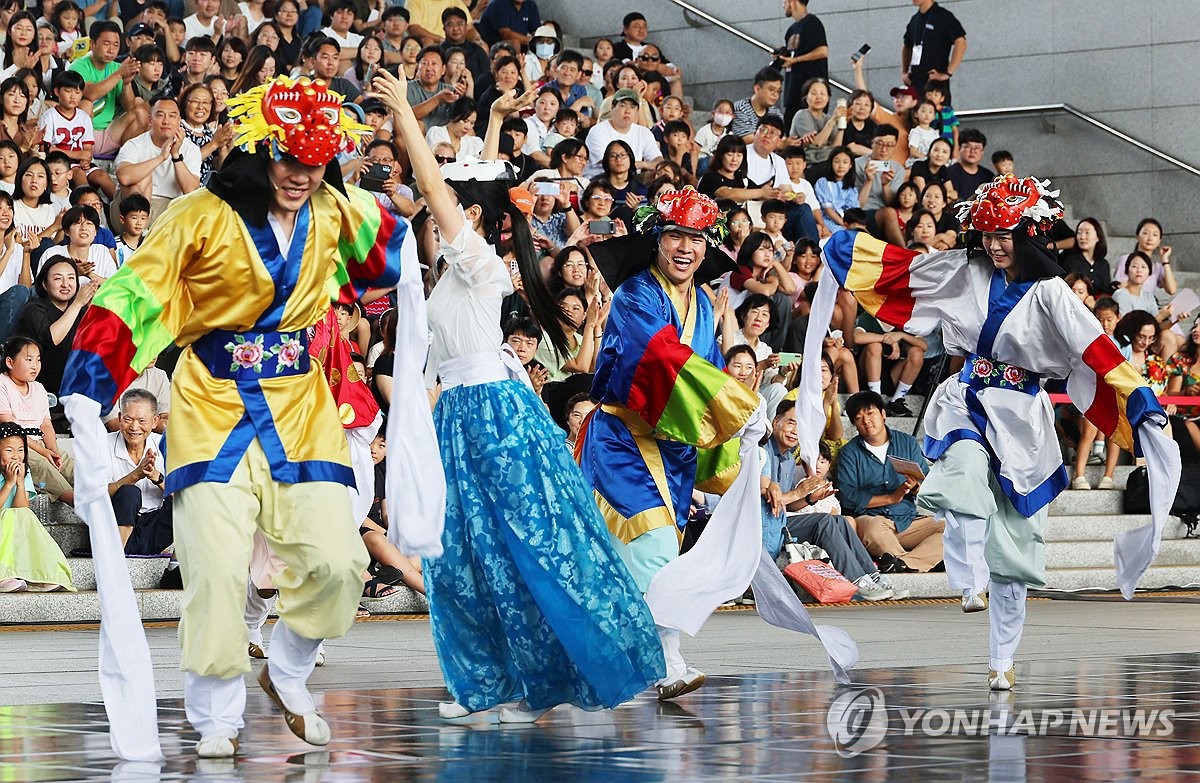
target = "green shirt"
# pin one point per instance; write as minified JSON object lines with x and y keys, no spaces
{"x":104,"y":108}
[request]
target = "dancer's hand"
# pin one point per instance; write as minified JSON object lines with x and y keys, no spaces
{"x":510,"y":102}
{"x":391,"y":89}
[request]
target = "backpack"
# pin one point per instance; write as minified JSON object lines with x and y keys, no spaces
{"x":1187,"y":498}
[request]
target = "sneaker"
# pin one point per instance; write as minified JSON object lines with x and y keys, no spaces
{"x":1002,"y":681}
{"x":870,"y":590}
{"x":897,"y":408}
{"x":747,"y":598}
{"x":886,"y":584}
{"x":973,"y":602}
{"x":1081,"y":482}
{"x":1106,"y":482}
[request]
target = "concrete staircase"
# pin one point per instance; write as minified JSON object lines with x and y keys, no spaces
{"x":1079,"y":556}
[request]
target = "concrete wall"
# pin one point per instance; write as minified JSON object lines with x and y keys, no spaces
{"x":1133,"y":65}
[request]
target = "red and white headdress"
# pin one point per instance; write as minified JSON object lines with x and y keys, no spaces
{"x":297,"y":117}
{"x":1008,"y":202}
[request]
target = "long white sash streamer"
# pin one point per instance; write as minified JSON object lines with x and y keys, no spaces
{"x":685,"y":592}
{"x":362,"y":495}
{"x":416,"y":484}
{"x":810,"y":416}
{"x":126,"y":673}
{"x":1135,"y":550}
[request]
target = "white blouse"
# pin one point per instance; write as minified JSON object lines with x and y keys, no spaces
{"x":464,"y":306}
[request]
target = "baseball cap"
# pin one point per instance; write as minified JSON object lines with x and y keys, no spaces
{"x":626,"y":94}
{"x":522,"y":199}
{"x":909,"y":91}
{"x":141,"y":28}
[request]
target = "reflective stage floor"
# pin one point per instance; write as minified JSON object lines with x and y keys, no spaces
{"x":909,"y":724}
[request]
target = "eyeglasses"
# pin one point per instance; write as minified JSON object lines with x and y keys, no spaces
{"x":586,"y":72}
{"x":601,"y":198}
{"x":973,"y":146}
{"x":618,"y":156}
{"x":582,"y":155}
{"x":650,"y":58}
{"x":444,"y":158}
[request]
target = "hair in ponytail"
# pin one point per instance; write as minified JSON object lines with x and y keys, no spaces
{"x":493,"y":199}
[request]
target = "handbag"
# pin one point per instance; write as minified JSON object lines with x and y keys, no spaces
{"x":823,"y":583}
{"x":798,"y":551}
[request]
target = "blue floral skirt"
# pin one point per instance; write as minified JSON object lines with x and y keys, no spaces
{"x":529,"y":599}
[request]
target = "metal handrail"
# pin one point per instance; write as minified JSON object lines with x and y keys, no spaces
{"x":1066,"y":108}
{"x":1006,"y":111}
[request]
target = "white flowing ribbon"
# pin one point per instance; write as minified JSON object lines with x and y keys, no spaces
{"x":1134,"y":550}
{"x":416,"y":484}
{"x":810,"y":416}
{"x":362,"y":494}
{"x":126,"y":672}
{"x":728,"y":556}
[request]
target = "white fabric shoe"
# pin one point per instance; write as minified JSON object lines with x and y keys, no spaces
{"x":1081,"y":482}
{"x":870,"y":590}
{"x":691,"y":680}
{"x":973,"y":602}
{"x":1002,"y":681}
{"x":1106,"y":482}
{"x":451,"y":710}
{"x":308,"y":726}
{"x":216,"y":746}
{"x":521,"y":713}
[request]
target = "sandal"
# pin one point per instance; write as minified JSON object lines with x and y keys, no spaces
{"x":389,"y":575}
{"x":375,"y":590}
{"x":362,"y":613}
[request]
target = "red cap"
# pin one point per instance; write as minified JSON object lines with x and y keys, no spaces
{"x":688,"y":209}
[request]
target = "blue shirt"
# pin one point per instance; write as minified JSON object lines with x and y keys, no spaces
{"x":780,"y":467}
{"x":501,"y":14}
{"x":860,"y":476}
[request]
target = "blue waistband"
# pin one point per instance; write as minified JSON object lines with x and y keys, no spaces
{"x":981,"y":372}
{"x":252,"y":356}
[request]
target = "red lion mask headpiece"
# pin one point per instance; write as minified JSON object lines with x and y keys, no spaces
{"x":297,"y":117}
{"x":1007,"y":202}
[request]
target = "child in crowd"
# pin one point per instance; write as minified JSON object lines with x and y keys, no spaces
{"x":135,"y":216}
{"x":678,"y":148}
{"x":60,"y":179}
{"x":149,"y":79}
{"x":922,"y":133}
{"x":29,"y":558}
{"x":10,"y":161}
{"x":67,"y":20}
{"x":670,"y":111}
{"x":24,"y":402}
{"x":1002,"y":163}
{"x":64,"y":126}
{"x":801,"y":199}
{"x":774,"y":216}
{"x":947,"y":120}
{"x":711,"y":133}
{"x":566,"y":123}
{"x":838,"y":191}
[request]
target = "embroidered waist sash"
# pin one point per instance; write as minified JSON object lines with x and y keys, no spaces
{"x":981,"y":372}
{"x":252,"y":356}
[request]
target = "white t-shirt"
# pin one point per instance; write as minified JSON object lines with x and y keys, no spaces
{"x":922,"y":138}
{"x":121,"y":464}
{"x":350,"y":40}
{"x":99,"y":255}
{"x":252,"y":24}
{"x":69,"y":134}
{"x":468,"y":147}
{"x":805,"y":187}
{"x":638,"y":137}
{"x":879,"y":451}
{"x":760,"y":170}
{"x":535,"y":135}
{"x":193,"y":27}
{"x":142,"y":148}
{"x":12,"y":270}
{"x":32,"y":221}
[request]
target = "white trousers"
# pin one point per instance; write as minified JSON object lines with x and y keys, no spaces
{"x":676,"y":666}
{"x":256,"y":613}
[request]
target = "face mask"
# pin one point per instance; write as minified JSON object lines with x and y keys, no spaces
{"x":721,"y":120}
{"x":544,"y":51}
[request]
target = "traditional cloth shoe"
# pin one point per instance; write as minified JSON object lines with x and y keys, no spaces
{"x":691,"y":680}
{"x":973,"y":602}
{"x":256,"y":651}
{"x":216,"y":746}
{"x":521,"y":713}
{"x":320,"y":657}
{"x":310,"y":727}
{"x":452,"y":710}
{"x":1002,"y":681}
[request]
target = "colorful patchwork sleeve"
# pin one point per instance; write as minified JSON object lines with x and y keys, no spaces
{"x":373,"y":245}
{"x":906,"y":289}
{"x":137,"y":313}
{"x":644,"y":366}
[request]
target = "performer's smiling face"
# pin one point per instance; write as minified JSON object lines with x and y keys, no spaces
{"x":999,"y":247}
{"x":294,"y":182}
{"x":679,"y":255}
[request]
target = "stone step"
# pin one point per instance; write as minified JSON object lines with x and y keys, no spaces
{"x":1082,"y":528}
{"x":69,"y":536}
{"x":84,"y":606}
{"x":1099,"y":554}
{"x":1095,"y":501}
{"x":936,"y":586}
{"x":144,"y":572}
